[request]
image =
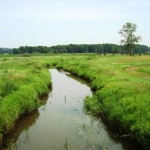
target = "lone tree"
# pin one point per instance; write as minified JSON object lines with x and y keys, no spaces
{"x":129,"y":38}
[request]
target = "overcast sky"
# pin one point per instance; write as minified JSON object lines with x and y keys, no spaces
{"x":52,"y":22}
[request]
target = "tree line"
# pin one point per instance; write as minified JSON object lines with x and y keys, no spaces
{"x":82,"y":48}
{"x":77,"y":48}
{"x":6,"y":50}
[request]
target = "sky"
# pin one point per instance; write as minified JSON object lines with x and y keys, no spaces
{"x":56,"y":22}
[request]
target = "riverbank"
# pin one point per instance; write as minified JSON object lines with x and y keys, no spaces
{"x":63,"y":123}
{"x":23,"y":81}
{"x":121,"y":86}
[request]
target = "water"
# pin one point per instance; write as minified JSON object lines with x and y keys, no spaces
{"x":62,"y":123}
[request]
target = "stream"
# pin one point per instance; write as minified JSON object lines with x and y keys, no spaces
{"x":62,"y":122}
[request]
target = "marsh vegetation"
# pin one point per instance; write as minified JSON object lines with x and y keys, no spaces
{"x":121,"y":86}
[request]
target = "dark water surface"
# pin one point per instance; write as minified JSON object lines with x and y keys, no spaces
{"x":62,"y":123}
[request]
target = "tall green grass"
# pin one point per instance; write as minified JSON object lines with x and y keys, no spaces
{"x":23,"y":81}
{"x":122,"y":90}
{"x":121,"y":87}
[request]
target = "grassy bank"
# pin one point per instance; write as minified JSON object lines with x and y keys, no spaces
{"x":122,"y":86}
{"x":22,"y":82}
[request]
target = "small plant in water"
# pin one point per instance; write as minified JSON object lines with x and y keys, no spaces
{"x":84,"y":126}
{"x":66,"y":145}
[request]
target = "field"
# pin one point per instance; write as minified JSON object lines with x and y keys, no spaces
{"x":121,"y":86}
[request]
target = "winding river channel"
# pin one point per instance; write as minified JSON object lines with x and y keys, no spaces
{"x":62,"y":123}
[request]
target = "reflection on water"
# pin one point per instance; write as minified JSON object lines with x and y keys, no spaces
{"x":21,"y":129}
{"x":62,"y":124}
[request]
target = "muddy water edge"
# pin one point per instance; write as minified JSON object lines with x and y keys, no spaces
{"x":62,"y":123}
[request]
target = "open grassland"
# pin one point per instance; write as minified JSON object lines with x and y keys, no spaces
{"x":121,"y":85}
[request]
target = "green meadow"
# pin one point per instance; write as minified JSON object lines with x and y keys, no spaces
{"x":121,"y":86}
